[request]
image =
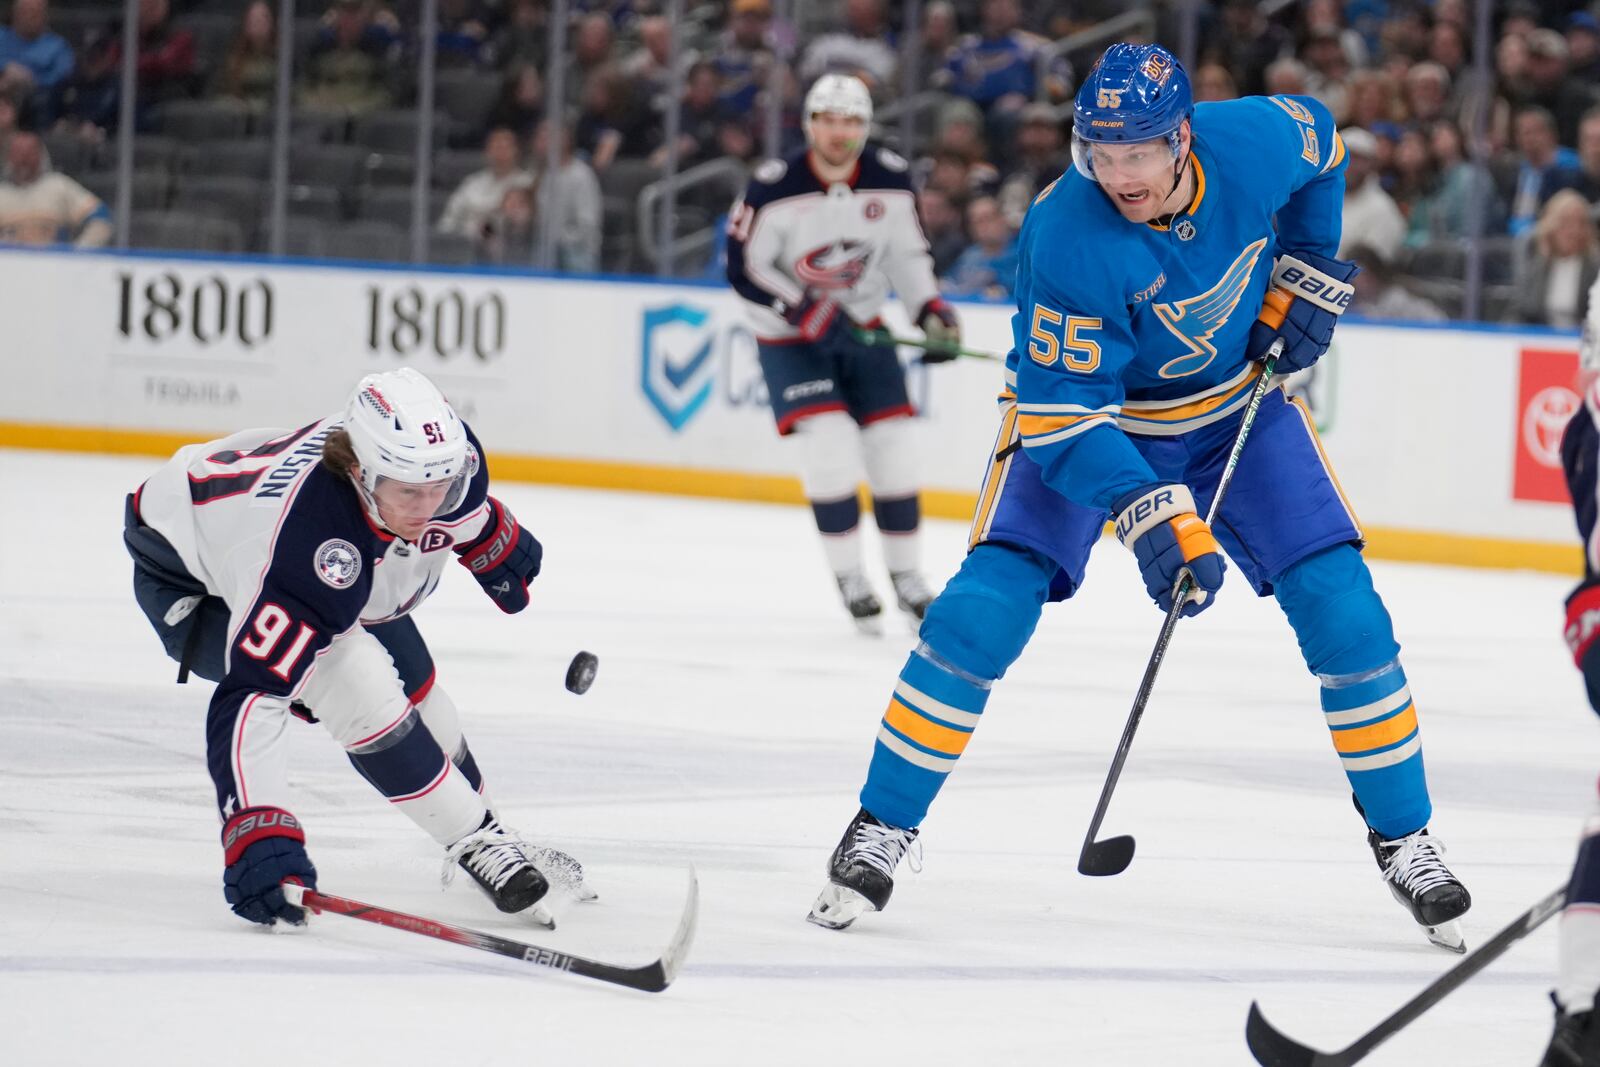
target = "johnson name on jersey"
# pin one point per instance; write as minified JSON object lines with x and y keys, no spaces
{"x":1140,"y":328}
{"x":790,"y":235}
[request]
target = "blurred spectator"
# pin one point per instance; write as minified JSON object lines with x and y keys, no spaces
{"x":481,"y":194}
{"x":864,"y":47}
{"x":1413,"y":170}
{"x":648,"y":68}
{"x":521,"y":103}
{"x":1324,"y":15}
{"x":1462,"y":190}
{"x":1213,"y":82}
{"x":988,"y":267}
{"x":1381,"y":295}
{"x":1565,"y":261}
{"x":997,"y":69}
{"x":1327,"y":67}
{"x":1245,"y":41}
{"x":592,"y":45}
{"x":1371,"y":98}
{"x":8,"y":125}
{"x":166,"y":67}
{"x":569,"y":202}
{"x":463,"y":37}
{"x":524,"y":35}
{"x":39,"y":206}
{"x":1521,"y":17}
{"x":1540,"y":167}
{"x":1566,"y":99}
{"x":1041,"y":158}
{"x":1371,"y":217}
{"x":1287,"y":77}
{"x":736,"y":140}
{"x":959,"y":162}
{"x":510,"y":236}
{"x":249,"y":72}
{"x":743,"y":56}
{"x":940,"y":34}
{"x":1448,"y":46}
{"x":354,"y":64}
{"x":1427,"y":92}
{"x":700,"y":116}
{"x":941,"y":223}
{"x":1583,"y":48}
{"x":610,"y":122}
{"x":1589,"y":156}
{"x":35,"y":62}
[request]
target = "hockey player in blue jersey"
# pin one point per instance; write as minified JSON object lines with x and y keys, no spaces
{"x":1153,"y":277}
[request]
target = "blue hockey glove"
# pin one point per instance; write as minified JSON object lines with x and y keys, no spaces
{"x":263,"y":848}
{"x":938,"y":323}
{"x":1308,"y":294}
{"x":818,"y":319}
{"x":1158,"y":522}
{"x":504,"y":559}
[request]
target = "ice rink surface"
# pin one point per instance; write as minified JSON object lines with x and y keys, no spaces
{"x":730,"y":726}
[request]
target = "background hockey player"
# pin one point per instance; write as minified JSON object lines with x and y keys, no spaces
{"x":1142,"y":271}
{"x":284,"y":565}
{"x":814,"y":246}
{"x":1576,"y":1042}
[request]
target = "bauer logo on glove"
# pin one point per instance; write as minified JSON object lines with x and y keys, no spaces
{"x":1158,"y":522}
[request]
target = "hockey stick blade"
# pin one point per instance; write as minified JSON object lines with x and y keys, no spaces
{"x":1272,"y":1049}
{"x":1101,"y":859}
{"x":651,"y":978}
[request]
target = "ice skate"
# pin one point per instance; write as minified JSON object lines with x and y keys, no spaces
{"x":912,"y":593}
{"x":502,"y":865}
{"x":1419,"y":880}
{"x":861,"y":871}
{"x":1576,"y":1042}
{"x":861,"y":602}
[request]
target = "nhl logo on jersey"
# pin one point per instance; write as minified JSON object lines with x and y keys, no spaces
{"x":873,"y":210}
{"x":433,"y":540}
{"x":1184,"y":229}
{"x":338,"y":563}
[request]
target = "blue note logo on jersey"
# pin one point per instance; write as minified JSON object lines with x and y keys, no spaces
{"x":676,"y":370}
{"x":1196,"y":319}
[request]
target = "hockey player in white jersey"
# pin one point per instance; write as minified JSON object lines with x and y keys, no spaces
{"x":284,"y":565}
{"x":814,"y":246}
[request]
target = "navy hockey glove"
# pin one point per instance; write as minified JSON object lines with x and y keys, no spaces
{"x":263,"y":848}
{"x":1308,"y":294}
{"x":1583,"y":626}
{"x":1158,"y":522}
{"x":817,"y":318}
{"x":938,"y":323}
{"x":504,"y":559}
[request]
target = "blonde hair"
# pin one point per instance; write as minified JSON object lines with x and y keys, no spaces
{"x":1544,"y":230}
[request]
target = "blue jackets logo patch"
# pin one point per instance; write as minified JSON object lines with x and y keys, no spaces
{"x":676,"y":370}
{"x":1195,"y":320}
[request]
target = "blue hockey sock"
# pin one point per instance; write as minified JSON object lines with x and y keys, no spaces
{"x":930,"y":719}
{"x":1374,"y":727}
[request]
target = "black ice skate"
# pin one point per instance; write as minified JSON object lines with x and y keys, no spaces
{"x":912,"y":592}
{"x":861,"y":602}
{"x":1421,"y":882}
{"x":1576,"y":1042}
{"x":502,"y":865}
{"x":861,"y":871}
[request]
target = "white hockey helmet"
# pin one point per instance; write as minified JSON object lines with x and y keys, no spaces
{"x":837,"y":94}
{"x":403,"y":430}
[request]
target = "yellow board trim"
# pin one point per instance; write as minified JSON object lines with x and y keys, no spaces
{"x":1379,"y":734}
{"x":923,"y":732}
{"x":1412,"y":546}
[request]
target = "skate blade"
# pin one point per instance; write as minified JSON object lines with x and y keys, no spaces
{"x":872,"y":625}
{"x":838,"y":906}
{"x":1447,"y":936}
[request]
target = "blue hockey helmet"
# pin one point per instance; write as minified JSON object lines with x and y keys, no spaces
{"x":1135,"y":92}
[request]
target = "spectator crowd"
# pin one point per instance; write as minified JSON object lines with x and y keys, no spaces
{"x":1438,"y":155}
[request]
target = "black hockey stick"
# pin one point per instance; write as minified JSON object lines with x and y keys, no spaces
{"x":651,"y":978}
{"x":1273,"y":1049}
{"x":1112,"y":856}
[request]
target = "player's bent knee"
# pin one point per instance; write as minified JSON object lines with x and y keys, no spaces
{"x":829,"y":465}
{"x":1337,"y":615}
{"x":988,"y":611}
{"x":889,"y":447}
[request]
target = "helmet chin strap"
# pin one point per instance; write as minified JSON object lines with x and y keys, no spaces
{"x":1177,"y":178}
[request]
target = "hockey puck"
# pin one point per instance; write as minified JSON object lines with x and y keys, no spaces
{"x":580,"y":675}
